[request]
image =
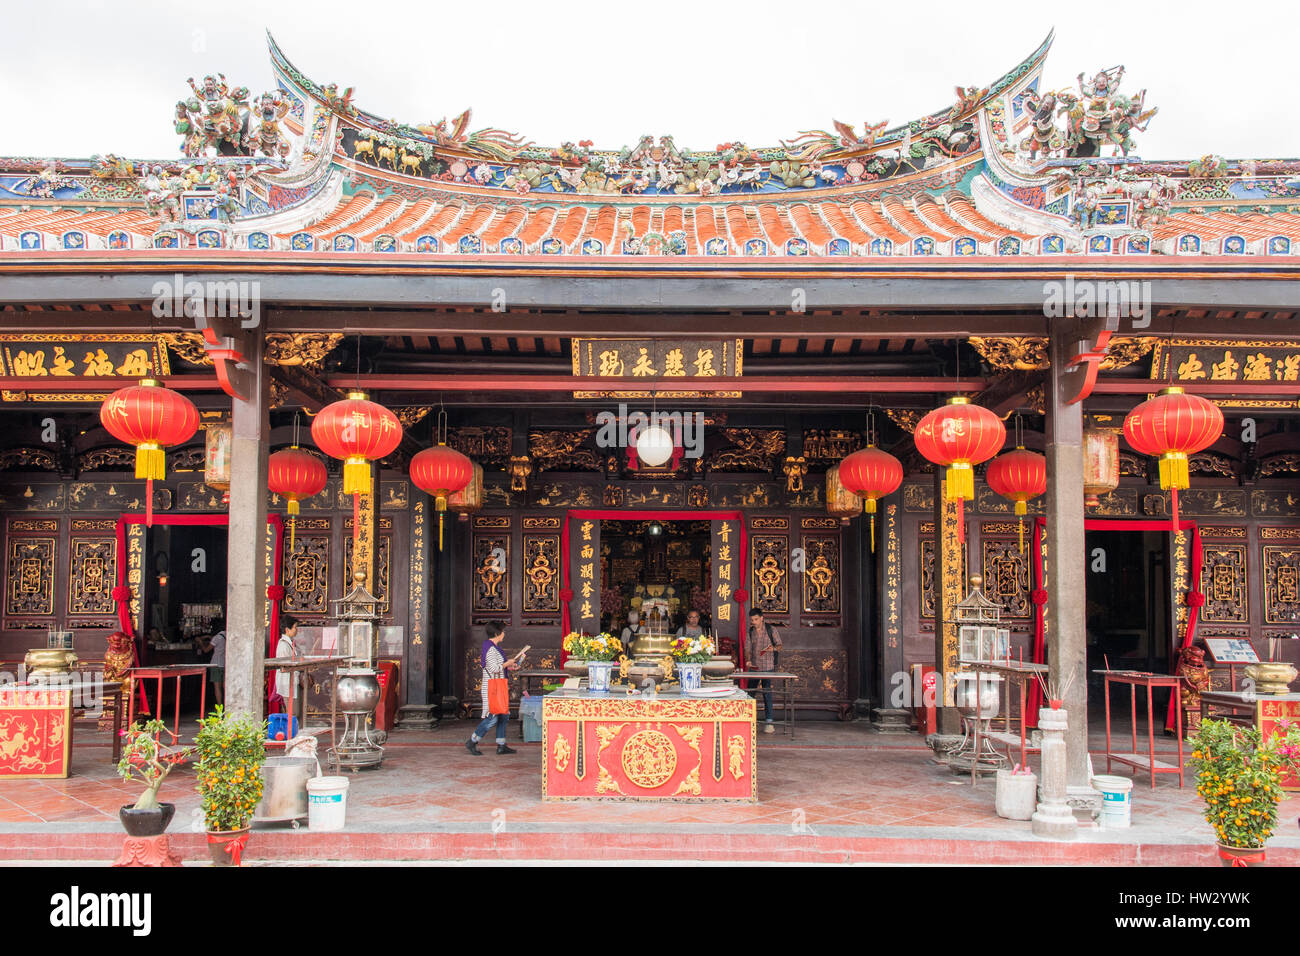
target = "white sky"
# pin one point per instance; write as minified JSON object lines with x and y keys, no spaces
{"x":101,"y":76}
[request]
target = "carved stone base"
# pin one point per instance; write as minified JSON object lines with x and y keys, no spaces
{"x":862,"y":707}
{"x":1085,"y":803}
{"x":1055,"y":821}
{"x":147,"y":851}
{"x":448,"y":707}
{"x":417,"y":717}
{"x":892,"y":720}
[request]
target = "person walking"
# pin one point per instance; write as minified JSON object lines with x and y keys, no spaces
{"x":494,"y":666}
{"x":765,"y":647}
{"x":216,"y":644}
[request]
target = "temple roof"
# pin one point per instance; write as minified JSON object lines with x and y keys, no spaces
{"x":1007,"y":169}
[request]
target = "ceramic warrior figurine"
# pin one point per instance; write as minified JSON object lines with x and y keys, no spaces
{"x":1195,"y":679}
{"x":268,"y":139}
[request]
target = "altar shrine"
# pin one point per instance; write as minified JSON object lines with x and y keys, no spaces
{"x":611,"y":746}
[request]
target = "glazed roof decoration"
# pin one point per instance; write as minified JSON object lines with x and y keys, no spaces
{"x":1011,"y":168}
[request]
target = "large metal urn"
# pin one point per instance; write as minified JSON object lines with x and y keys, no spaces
{"x":357,"y":685}
{"x":978,"y":694}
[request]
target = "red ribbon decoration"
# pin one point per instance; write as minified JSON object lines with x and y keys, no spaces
{"x":1195,"y":599}
{"x":615,"y":515}
{"x":234,"y":847}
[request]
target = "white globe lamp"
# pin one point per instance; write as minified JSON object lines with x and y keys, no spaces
{"x":654,"y":445}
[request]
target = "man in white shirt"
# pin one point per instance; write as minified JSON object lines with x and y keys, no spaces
{"x":217,"y":665}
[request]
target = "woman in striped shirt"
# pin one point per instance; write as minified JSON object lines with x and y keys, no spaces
{"x":494,"y":665}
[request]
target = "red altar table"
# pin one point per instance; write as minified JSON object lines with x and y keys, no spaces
{"x":35,"y":731}
{"x":616,"y":747}
{"x":171,"y":670}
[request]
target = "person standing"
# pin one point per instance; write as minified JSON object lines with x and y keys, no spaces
{"x":633,"y":630}
{"x":764,"y":648}
{"x":494,"y":666}
{"x":287,"y":684}
{"x":217,"y":665}
{"x":692,"y":626}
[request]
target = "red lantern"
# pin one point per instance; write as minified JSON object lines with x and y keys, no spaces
{"x":1019,"y":475}
{"x":1172,"y":426}
{"x":441,"y":471}
{"x":295,"y":474}
{"x":358,"y":431}
{"x":871,"y":473}
{"x":960,"y":435}
{"x":149,"y":417}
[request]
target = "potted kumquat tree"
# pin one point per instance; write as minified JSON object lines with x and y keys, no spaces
{"x":231,"y":752}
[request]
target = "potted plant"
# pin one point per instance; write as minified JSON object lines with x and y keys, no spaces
{"x":145,"y":757}
{"x":691,"y":654}
{"x":231,"y":752}
{"x":1237,"y":775}
{"x":599,"y":652}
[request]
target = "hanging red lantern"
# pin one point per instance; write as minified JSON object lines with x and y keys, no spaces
{"x":150,"y":417}
{"x":871,"y":473}
{"x":295,"y":474}
{"x":1172,"y":426}
{"x":960,"y":436}
{"x":358,"y":431}
{"x":441,"y":471}
{"x":1019,"y":475}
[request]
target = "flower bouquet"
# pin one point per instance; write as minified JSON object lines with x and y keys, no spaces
{"x":692,"y":650}
{"x":599,"y":647}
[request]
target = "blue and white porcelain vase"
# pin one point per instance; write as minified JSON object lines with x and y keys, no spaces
{"x":598,"y":675}
{"x":690,"y":675}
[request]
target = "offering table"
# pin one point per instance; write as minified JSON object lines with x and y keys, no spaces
{"x":615,"y":746}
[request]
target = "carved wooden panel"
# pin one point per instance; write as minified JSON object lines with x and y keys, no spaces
{"x":821,"y":574}
{"x":1223,"y":580}
{"x":491,"y":575}
{"x":29,"y":577}
{"x":307,"y":574}
{"x":541,"y":573}
{"x":92,"y":576}
{"x":1006,"y":577}
{"x":768,"y":523}
{"x":383,"y":569}
{"x":769,"y":559}
{"x":1281,"y":585}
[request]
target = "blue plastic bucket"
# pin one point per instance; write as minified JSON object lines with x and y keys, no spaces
{"x":276,"y":724}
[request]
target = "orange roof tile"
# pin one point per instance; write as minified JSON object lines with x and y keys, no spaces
{"x":569,"y":225}
{"x":964,"y":211}
{"x":332,"y":224}
{"x":410,"y":217}
{"x":909,"y":222}
{"x":811,"y":224}
{"x":936,"y":217}
{"x":869,"y":215}
{"x":470,"y":223}
{"x":501,"y":227}
{"x":778,"y":231}
{"x":600,"y":226}
{"x":538,"y":224}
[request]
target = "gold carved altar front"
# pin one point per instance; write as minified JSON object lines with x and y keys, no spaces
{"x":614,"y":747}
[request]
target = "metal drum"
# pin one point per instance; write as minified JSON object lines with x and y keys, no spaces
{"x":987,"y":698}
{"x":284,"y":789}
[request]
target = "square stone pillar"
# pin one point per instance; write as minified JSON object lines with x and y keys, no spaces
{"x":246,"y":603}
{"x":1066,"y":559}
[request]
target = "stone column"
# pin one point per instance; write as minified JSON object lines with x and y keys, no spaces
{"x":1066,"y":560}
{"x":1053,"y":817}
{"x":246,"y":540}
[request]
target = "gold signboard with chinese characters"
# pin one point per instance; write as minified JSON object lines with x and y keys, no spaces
{"x":1229,"y":360}
{"x":658,"y":363}
{"x":68,"y":355}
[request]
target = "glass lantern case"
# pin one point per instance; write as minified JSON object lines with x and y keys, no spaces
{"x":356,"y":613}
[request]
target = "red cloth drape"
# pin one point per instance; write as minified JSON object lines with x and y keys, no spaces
{"x":740,"y":594}
{"x":1102,"y":524}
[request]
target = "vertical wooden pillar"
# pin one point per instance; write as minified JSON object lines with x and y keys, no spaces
{"x":949,"y":554}
{"x":416,"y":709}
{"x":1067,"y":559}
{"x":894,"y":691}
{"x":246,"y":540}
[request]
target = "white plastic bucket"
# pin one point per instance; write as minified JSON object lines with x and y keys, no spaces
{"x":327,"y":802}
{"x":1116,"y":801}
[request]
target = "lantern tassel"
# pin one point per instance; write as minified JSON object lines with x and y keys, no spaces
{"x":150,"y":461}
{"x":440,"y":502}
{"x":961,"y":481}
{"x":293,"y":506}
{"x":356,"y":476}
{"x":1022,"y":535}
{"x":1174,"y":471}
{"x":292,"y":528}
{"x":872,"y":522}
{"x":148,"y":503}
{"x":1175,"y":509}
